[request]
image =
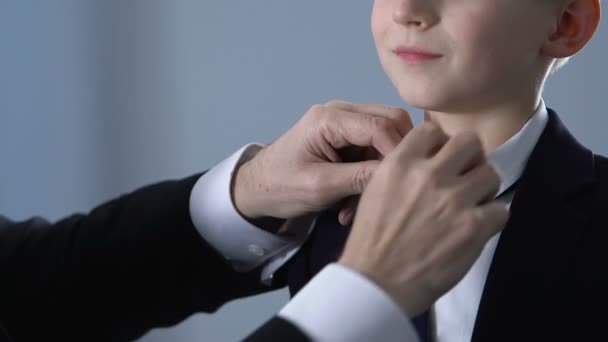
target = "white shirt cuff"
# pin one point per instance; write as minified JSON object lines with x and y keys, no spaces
{"x":215,"y":217}
{"x":303,"y":226}
{"x":339,"y":304}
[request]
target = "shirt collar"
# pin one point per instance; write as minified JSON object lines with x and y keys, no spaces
{"x":510,"y":159}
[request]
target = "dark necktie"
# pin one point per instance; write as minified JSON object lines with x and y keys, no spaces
{"x":421,"y":323}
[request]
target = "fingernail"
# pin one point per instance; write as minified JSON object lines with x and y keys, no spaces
{"x":350,"y":218}
{"x":345,"y":216}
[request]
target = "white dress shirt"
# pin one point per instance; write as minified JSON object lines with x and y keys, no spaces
{"x":365,"y":312}
{"x":456,"y":311}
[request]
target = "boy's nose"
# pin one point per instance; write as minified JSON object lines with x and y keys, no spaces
{"x":419,"y":14}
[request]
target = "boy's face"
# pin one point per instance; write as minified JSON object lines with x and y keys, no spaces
{"x":463,"y":55}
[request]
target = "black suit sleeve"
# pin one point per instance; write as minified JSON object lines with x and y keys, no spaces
{"x":130,"y":265}
{"x":277,"y":329}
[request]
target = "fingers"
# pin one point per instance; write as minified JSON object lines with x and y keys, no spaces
{"x":346,"y":179}
{"x":462,"y":160}
{"x":422,"y":142}
{"x":343,"y":129}
{"x":460,"y":154}
{"x":459,"y":161}
{"x":344,"y":124}
{"x":347,"y":210}
{"x":400,"y":116}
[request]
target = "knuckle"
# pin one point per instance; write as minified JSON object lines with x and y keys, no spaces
{"x":361,"y":179}
{"x":314,"y":187}
{"x":380,"y":123}
{"x":336,"y":103}
{"x":418,"y":175}
{"x":429,"y":132}
{"x":469,"y":139}
{"x":317,"y":112}
{"x":465,"y":141}
{"x":397,"y":113}
{"x":428,"y":128}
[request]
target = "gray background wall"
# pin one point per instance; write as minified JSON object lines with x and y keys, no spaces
{"x":99,"y":97}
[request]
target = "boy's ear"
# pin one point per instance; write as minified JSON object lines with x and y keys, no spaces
{"x":576,"y":25}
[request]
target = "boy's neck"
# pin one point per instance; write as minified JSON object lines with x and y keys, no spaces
{"x":494,"y":126}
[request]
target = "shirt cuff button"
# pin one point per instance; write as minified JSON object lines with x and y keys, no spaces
{"x":256,"y":250}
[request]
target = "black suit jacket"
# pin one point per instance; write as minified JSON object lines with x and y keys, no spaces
{"x":130,"y":265}
{"x":548,"y":278}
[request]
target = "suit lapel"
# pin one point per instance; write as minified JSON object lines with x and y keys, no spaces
{"x":329,"y":242}
{"x":324,"y":246}
{"x":536,"y":249}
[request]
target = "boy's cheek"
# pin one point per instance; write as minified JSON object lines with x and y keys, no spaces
{"x":377,"y":30}
{"x":381,"y":18}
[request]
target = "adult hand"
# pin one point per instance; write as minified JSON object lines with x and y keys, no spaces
{"x":327,"y":156}
{"x":425,"y":217}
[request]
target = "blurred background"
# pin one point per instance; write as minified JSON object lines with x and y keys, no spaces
{"x":100,"y":97}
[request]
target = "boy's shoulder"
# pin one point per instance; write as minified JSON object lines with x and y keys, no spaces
{"x":601,"y":166}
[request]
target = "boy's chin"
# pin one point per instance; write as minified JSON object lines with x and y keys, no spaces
{"x":427,"y":103}
{"x":437,"y":102}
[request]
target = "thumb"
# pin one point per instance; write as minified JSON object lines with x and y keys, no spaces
{"x":347,"y":179}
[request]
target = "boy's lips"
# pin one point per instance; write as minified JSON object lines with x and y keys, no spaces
{"x":414,"y":55}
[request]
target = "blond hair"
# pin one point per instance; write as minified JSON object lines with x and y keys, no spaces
{"x":558,"y":63}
